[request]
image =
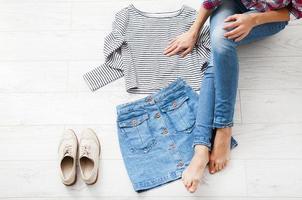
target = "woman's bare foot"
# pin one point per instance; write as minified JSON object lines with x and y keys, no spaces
{"x":192,"y":175}
{"x":220,"y":154}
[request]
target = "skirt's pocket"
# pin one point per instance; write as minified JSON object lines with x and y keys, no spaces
{"x":136,"y":132}
{"x":179,"y":112}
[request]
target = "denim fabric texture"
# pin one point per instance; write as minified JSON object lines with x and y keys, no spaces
{"x":156,"y":135}
{"x":220,"y":82}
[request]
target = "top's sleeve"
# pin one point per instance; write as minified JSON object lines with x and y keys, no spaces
{"x":112,"y":69}
{"x":211,"y":4}
{"x":295,"y":9}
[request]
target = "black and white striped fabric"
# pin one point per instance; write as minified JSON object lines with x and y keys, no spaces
{"x":134,"y":49}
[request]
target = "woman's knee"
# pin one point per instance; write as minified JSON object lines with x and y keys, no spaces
{"x":219,"y":42}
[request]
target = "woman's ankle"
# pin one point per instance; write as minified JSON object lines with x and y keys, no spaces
{"x":200,"y":149}
{"x":227,"y":131}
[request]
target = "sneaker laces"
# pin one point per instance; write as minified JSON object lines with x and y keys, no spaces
{"x":67,"y":150}
{"x":85,"y":150}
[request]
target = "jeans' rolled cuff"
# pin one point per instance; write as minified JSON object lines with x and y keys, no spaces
{"x":206,"y":142}
{"x":202,"y":141}
{"x":222,"y":125}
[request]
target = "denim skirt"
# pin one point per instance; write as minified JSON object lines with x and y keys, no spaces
{"x":156,"y":135}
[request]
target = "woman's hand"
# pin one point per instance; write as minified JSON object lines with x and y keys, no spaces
{"x":182,"y":44}
{"x":242,"y":24}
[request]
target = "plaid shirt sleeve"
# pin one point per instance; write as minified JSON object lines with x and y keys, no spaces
{"x":295,"y":9}
{"x":211,"y":4}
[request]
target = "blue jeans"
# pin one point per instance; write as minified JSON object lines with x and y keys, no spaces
{"x":218,"y":89}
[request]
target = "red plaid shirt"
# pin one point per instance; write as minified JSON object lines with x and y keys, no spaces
{"x":294,"y":6}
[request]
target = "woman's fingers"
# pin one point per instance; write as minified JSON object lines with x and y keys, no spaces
{"x":172,"y":41}
{"x":241,"y":37}
{"x":170,"y":44}
{"x":235,"y":35}
{"x":174,"y":52}
{"x":231,"y":25}
{"x":231,"y":18}
{"x":183,"y":54}
{"x":176,"y":49}
{"x":233,"y":32}
{"x":181,"y":45}
{"x":170,"y":48}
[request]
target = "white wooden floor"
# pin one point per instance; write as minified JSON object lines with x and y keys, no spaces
{"x":46,"y":46}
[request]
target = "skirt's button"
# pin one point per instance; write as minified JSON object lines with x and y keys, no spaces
{"x":165,"y":131}
{"x":157,"y":115}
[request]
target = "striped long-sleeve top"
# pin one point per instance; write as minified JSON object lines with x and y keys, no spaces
{"x":134,"y":49}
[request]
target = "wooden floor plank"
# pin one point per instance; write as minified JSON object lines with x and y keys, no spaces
{"x":40,"y":179}
{"x":274,"y":178}
{"x":271,"y":106}
{"x":20,"y":77}
{"x":268,"y":141}
{"x":265,"y":74}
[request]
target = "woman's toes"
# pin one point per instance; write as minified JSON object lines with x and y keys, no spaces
{"x":220,"y":166}
{"x":195,"y":169}
{"x":216,"y":165}
{"x":224,"y":164}
{"x":194,"y":185}
{"x":220,"y":153}
{"x":212,"y":167}
{"x":189,"y":182}
{"x":186,"y":182}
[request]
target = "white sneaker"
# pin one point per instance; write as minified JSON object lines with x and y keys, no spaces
{"x":89,"y":155}
{"x":67,"y":157}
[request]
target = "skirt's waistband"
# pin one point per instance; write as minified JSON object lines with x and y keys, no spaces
{"x":176,"y":85}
